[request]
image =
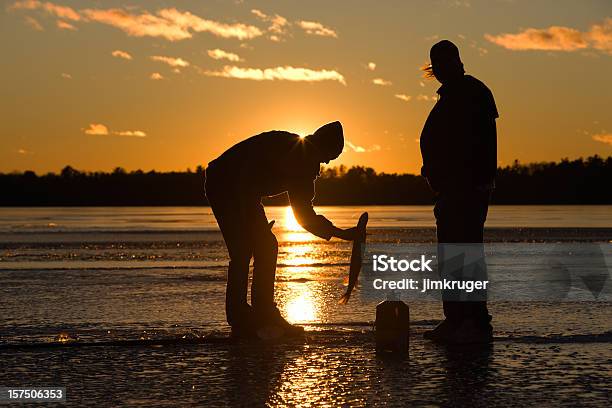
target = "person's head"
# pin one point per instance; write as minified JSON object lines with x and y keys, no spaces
{"x":446,"y":63}
{"x":328,"y":141}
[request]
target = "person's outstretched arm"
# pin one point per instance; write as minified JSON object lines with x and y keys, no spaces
{"x":301,"y":195}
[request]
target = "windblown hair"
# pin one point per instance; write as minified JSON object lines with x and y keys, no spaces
{"x":427,"y":71}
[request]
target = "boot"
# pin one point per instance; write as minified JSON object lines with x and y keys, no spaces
{"x":472,"y":332}
{"x":271,"y":325}
{"x":243,"y":323}
{"x":441,"y":332}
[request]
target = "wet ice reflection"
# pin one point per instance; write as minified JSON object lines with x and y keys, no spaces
{"x":299,"y":301}
{"x":301,"y":306}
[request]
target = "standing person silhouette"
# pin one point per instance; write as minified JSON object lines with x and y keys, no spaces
{"x":459,"y":150}
{"x":265,"y":165}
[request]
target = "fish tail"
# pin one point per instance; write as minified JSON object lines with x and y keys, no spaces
{"x":344,"y":299}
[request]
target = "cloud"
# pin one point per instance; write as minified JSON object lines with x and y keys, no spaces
{"x":278,"y":24}
{"x":186,"y":19}
{"x":24,"y":152}
{"x":169,"y":23}
{"x":603,"y":138}
{"x":600,"y":36}
{"x":381,"y":82}
{"x":139,"y":25}
{"x":63,"y":25}
{"x":553,"y":38}
{"x":371,"y":66}
{"x":173,"y":62}
{"x":286,"y":73}
{"x":156,"y":76}
{"x":558,"y":38}
{"x":403,"y":97}
{"x":259,"y":14}
{"x":423,"y":97}
{"x":315,"y":28}
{"x":360,"y":149}
{"x":121,"y":54}
{"x":96,"y":129}
{"x":131,"y":133}
{"x":33,"y":23}
{"x":64,"y":12}
{"x":220,"y":54}
{"x":355,"y":148}
{"x":66,"y":76}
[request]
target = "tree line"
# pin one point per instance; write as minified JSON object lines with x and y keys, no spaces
{"x":581,"y":181}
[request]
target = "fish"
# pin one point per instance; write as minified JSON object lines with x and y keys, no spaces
{"x":356,"y":257}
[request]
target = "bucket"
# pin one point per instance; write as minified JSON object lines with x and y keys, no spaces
{"x":392,"y":326}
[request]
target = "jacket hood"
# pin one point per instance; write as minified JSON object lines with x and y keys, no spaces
{"x":329,"y":139}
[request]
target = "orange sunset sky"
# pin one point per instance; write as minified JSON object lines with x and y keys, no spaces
{"x":168,"y":85}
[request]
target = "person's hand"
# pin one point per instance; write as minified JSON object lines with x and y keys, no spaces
{"x":349,"y":234}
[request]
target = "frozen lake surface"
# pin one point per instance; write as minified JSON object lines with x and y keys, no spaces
{"x":119,"y":275}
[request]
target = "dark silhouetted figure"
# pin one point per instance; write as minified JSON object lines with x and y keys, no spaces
{"x":459,"y":149}
{"x":265,"y":165}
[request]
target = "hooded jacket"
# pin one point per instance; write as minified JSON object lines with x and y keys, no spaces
{"x":269,"y":164}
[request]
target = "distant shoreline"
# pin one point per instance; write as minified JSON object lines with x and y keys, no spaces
{"x":577,"y":182}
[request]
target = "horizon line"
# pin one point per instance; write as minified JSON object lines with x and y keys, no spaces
{"x":120,"y":169}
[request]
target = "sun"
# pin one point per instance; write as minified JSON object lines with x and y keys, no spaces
{"x":301,"y":131}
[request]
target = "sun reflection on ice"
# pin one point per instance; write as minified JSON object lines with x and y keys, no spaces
{"x":293,"y":231}
{"x":298,"y":255}
{"x":291,"y":223}
{"x":301,"y":307}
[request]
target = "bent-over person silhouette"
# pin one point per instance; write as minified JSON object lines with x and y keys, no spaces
{"x":265,"y":165}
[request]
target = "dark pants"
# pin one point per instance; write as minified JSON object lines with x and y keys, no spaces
{"x":247,"y":235}
{"x":460,"y":218}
